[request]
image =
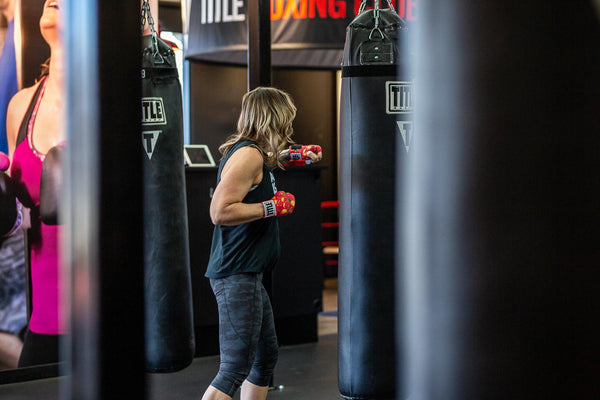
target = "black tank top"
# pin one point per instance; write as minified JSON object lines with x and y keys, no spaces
{"x":23,"y":128}
{"x":247,"y":248}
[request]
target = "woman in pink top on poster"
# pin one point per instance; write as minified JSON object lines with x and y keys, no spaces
{"x":34,"y":126}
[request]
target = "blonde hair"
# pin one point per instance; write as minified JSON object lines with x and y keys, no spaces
{"x":266,"y":118}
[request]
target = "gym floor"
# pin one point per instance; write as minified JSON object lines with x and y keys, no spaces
{"x":305,"y":371}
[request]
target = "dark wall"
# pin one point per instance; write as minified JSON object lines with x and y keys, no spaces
{"x":215,"y":100}
{"x":170,"y":17}
{"x":314,"y":93}
{"x":34,"y":49}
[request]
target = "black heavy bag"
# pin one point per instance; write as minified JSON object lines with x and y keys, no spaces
{"x":168,"y":299}
{"x":503,"y":211}
{"x":373,"y":100}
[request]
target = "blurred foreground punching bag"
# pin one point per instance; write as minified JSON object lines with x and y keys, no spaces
{"x":502,"y":223}
{"x":375,"y":103}
{"x":167,"y":281}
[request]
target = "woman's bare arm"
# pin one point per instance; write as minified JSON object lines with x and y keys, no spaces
{"x":240,"y":173}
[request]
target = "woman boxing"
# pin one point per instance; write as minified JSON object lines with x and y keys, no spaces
{"x":246,"y":240}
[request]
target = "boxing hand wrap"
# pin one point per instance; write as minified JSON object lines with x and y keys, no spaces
{"x":281,"y":204}
{"x":299,"y":154}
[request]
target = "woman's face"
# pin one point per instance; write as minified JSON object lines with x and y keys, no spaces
{"x":51,"y":21}
{"x":4,"y":4}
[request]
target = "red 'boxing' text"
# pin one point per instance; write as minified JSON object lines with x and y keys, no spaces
{"x":334,"y":9}
{"x":216,"y":11}
{"x":407,"y":9}
{"x":311,"y":9}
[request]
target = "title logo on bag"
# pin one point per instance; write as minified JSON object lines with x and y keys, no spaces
{"x":406,"y":130}
{"x":399,"y":97}
{"x":149,"y":139}
{"x":153,"y":111}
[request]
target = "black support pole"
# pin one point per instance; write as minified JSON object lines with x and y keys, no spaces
{"x":502,"y":205}
{"x":103,"y":203}
{"x":259,"y":43}
{"x":259,"y":67}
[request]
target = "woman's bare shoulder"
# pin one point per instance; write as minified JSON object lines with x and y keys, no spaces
{"x":246,"y":158}
{"x":249,"y":151}
{"x":22,"y":98}
{"x":16,"y":111}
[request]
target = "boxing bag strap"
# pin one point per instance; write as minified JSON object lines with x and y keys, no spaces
{"x":22,"y":135}
{"x":375,"y":70}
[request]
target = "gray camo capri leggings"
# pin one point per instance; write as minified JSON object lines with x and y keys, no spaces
{"x":247,"y":336}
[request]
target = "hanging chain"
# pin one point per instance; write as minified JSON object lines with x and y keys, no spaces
{"x":363,"y":5}
{"x":376,"y":9}
{"x":147,"y":17}
{"x":376,"y":13}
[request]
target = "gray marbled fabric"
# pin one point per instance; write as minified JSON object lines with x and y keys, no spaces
{"x":13,"y":300}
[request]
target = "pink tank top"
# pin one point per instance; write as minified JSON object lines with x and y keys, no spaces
{"x":44,"y":239}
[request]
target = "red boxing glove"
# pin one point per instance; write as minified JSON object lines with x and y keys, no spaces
{"x":281,"y":204}
{"x":4,"y":162}
{"x":298,"y":154}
